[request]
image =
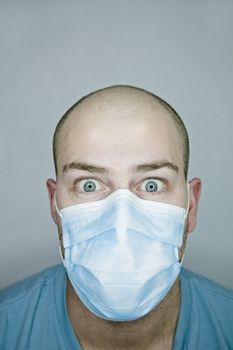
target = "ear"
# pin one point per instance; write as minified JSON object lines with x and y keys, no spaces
{"x":51,"y":187}
{"x":194,"y":196}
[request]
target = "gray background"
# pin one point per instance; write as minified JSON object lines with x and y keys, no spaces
{"x":53,"y":52}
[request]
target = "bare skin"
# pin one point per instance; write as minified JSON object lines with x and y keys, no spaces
{"x":119,"y":132}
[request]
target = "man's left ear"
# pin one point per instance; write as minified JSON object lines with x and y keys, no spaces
{"x":194,"y":196}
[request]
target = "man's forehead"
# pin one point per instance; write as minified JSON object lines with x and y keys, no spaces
{"x":121,"y":119}
{"x":97,"y":133}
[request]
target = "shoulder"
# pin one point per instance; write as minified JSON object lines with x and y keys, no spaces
{"x":209,"y":300}
{"x":206,"y":287}
{"x":206,"y":314}
{"x":23,"y":290}
{"x":29,"y":311}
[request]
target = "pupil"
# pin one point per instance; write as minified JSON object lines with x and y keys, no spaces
{"x":151,"y":186}
{"x":89,"y":186}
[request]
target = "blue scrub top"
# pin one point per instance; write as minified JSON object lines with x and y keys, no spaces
{"x":33,"y":314}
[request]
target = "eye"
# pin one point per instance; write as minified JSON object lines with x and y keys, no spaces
{"x":152,"y":185}
{"x":88,"y":185}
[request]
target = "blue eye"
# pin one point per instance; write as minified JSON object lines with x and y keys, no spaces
{"x":88,"y":185}
{"x":152,"y":185}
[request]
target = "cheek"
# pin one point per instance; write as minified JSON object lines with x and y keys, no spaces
{"x":65,"y":192}
{"x":181,"y":193}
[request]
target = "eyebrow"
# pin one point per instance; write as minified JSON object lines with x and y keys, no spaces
{"x":157,"y":165}
{"x":86,"y":167}
{"x":139,"y":168}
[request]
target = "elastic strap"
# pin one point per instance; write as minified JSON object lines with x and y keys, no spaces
{"x":55,"y":204}
{"x":187,"y":210}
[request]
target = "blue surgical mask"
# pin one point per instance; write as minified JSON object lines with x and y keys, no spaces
{"x":121,"y":253}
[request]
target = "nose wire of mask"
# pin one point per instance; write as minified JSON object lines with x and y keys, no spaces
{"x":121,"y":253}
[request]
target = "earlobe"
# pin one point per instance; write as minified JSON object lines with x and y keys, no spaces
{"x":51,"y":187}
{"x":194,"y":196}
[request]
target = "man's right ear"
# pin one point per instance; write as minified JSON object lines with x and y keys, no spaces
{"x":51,"y":187}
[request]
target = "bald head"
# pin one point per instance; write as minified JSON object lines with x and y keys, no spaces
{"x":120,"y":100}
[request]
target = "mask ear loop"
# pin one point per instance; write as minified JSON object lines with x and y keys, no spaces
{"x":58,"y":212}
{"x":185,"y":217}
{"x":55,"y":205}
{"x":188,"y":200}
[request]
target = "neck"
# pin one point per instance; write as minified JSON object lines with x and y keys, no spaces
{"x":154,"y":330}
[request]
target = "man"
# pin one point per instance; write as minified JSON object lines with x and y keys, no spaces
{"x":123,"y":208}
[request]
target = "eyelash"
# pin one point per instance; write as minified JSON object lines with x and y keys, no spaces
{"x":85,"y":178}
{"x":155,"y":178}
